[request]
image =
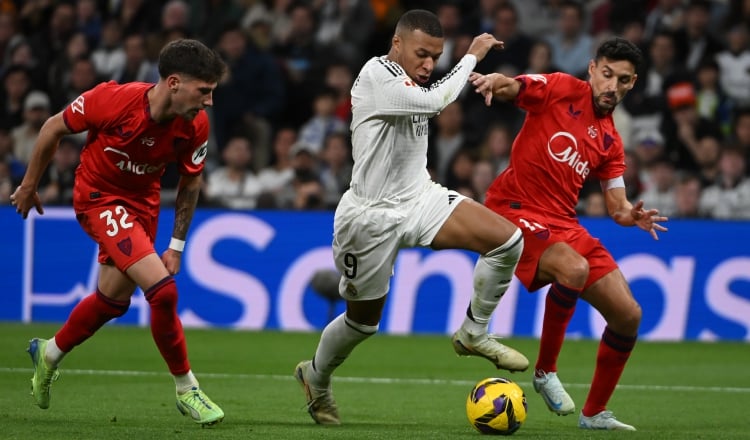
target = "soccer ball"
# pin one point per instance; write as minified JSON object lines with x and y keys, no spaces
{"x":496,"y":406}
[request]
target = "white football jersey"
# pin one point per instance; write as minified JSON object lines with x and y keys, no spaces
{"x":390,"y":114}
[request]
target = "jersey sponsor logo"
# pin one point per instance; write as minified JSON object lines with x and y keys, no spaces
{"x":77,"y":106}
{"x":199,"y":155}
{"x":421,"y":125}
{"x":563,"y":148}
{"x":134,"y":167}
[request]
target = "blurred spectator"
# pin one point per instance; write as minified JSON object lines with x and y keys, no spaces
{"x":481,"y":178}
{"x":340,"y":78}
{"x":594,"y":205}
{"x":667,"y":16}
{"x":306,"y":191}
{"x":176,"y":15}
{"x":280,"y":172}
{"x":213,"y":17}
{"x":16,"y":84}
{"x":572,"y":46}
{"x":324,"y":121}
{"x":514,"y":58}
{"x":738,"y":12}
{"x":537,"y":17}
{"x":694,"y":41}
{"x":234,"y":185}
{"x":56,"y":185}
{"x":137,"y":67}
{"x":646,"y":102}
{"x":449,"y":15}
{"x":687,"y":196}
{"x":20,"y":53}
{"x":445,"y":140}
{"x":734,"y":66}
{"x":49,"y":39}
{"x":344,"y":28}
{"x":36,"y":110}
{"x":109,"y":55}
{"x":14,"y":168}
{"x":6,"y":184}
{"x":482,"y":19}
{"x":633,"y":176}
{"x":685,"y":126}
{"x":336,"y":168}
{"x":460,"y":170}
{"x":729,"y":198}
{"x":249,"y":99}
{"x":659,"y":193}
{"x":83,"y":76}
{"x":137,"y":16}
{"x":59,"y":71}
{"x":712,"y":102}
{"x":495,"y":148}
{"x":741,"y":133}
{"x":540,"y":59}
{"x":8,"y":33}
{"x":707,"y":157}
{"x":89,"y":21}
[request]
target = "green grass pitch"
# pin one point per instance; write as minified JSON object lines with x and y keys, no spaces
{"x":115,"y":386}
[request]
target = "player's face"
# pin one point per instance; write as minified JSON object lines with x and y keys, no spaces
{"x":417,"y":52}
{"x":191,"y":96}
{"x":610,"y":82}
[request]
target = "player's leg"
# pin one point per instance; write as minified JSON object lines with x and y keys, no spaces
{"x":366,"y":242}
{"x":612,"y":297}
{"x":160,"y":291}
{"x":567,"y":271}
{"x":499,"y":242}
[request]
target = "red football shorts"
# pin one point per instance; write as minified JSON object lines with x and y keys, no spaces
{"x":125,"y":232}
{"x":539,"y":235}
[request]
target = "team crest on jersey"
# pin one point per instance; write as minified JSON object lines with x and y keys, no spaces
{"x":350,"y":289}
{"x":200,"y":153}
{"x":125,"y":246}
{"x":593,"y":132}
{"x":542,"y":235}
{"x":148,"y":141}
{"x":77,"y":106}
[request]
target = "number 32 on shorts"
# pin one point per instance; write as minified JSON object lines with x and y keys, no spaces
{"x":116,"y":220}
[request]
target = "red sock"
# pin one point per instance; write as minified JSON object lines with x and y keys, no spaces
{"x":558,"y":309}
{"x":614,"y":351}
{"x":88,"y":316}
{"x":166,"y":327}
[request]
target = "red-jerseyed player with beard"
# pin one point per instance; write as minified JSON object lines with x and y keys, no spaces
{"x":134,"y":130}
{"x":567,"y":136}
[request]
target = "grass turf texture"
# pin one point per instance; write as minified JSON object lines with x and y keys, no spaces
{"x":115,"y":386}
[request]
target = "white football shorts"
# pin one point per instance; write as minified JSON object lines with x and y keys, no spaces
{"x":367,"y":236}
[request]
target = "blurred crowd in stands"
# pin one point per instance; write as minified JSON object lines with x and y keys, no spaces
{"x":280,"y":120}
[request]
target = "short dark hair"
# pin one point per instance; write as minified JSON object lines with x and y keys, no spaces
{"x":620,"y":49}
{"x":422,"y":20}
{"x":193,"y":58}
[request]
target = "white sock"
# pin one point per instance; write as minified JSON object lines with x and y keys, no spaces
{"x":185,"y":382}
{"x":492,"y":275}
{"x":53,"y":355}
{"x":336,"y":343}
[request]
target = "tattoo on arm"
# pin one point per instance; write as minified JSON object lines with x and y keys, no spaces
{"x":187,"y":198}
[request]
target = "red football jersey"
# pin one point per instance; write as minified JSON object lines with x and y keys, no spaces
{"x":562,"y":142}
{"x":126,"y":151}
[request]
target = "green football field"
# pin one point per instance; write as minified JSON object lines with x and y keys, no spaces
{"x":115,"y":386}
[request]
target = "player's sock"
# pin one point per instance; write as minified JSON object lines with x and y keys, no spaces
{"x":336,"y":343}
{"x":166,"y":327}
{"x":492,"y":275}
{"x":614,"y":351}
{"x":88,"y":316}
{"x":558,"y":310}
{"x":185,"y":382}
{"x":53,"y":355}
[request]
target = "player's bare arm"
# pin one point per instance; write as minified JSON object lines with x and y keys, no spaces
{"x":187,"y":198}
{"x":25,"y":196}
{"x":626,"y":214}
{"x":495,"y":85}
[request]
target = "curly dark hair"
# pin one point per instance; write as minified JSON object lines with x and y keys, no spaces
{"x":193,"y":58}
{"x":620,"y":49}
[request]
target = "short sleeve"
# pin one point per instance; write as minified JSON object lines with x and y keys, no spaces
{"x":192,"y":158}
{"x":89,"y":110}
{"x":536,"y":89}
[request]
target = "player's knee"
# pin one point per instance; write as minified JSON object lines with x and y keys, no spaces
{"x":627,"y":320}
{"x":508,"y":253}
{"x":162,"y":294}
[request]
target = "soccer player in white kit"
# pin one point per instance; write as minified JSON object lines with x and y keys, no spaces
{"x":392,"y":204}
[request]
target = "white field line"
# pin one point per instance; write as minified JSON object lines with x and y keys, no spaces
{"x":376,"y":380}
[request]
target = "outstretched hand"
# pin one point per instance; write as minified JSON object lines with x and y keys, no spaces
{"x":24,"y":199}
{"x":483,"y":85}
{"x":482,"y":44}
{"x":648,"y":219}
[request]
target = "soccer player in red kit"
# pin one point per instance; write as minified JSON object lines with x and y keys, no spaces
{"x":134,"y":130}
{"x":568,"y":136}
